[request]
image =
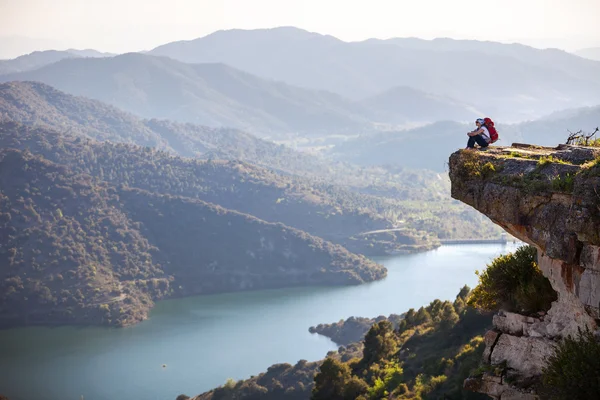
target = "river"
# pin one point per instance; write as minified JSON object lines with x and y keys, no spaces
{"x":204,"y":340}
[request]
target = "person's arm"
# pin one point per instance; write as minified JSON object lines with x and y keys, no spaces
{"x":475,"y":132}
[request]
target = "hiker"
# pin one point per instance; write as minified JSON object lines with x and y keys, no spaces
{"x":481,"y":135}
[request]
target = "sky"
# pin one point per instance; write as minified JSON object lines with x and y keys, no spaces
{"x":132,"y":25}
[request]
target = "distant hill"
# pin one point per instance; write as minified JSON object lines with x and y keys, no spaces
{"x":33,"y":60}
{"x":79,"y":251}
{"x":592,"y":53}
{"x":417,"y":106}
{"x":558,"y":59}
{"x":513,"y":82}
{"x":326,"y":211}
{"x":208,"y":94}
{"x":388,"y":195}
{"x":218,"y":95}
{"x":423,"y":147}
{"x":428,"y":146}
{"x":90,"y":53}
{"x":38,"y":59}
{"x":37,"y":104}
{"x":554,"y":128}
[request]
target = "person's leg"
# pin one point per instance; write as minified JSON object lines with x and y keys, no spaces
{"x":471,"y":142}
{"x":480,"y":140}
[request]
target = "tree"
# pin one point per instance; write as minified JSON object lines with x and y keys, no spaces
{"x":448,"y":317}
{"x":380,"y":343}
{"x":335,"y":382}
{"x":515,"y":283}
{"x":573,"y":371}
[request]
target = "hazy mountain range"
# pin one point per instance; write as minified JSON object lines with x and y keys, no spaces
{"x":287,"y":80}
{"x":509,"y":81}
{"x":39,"y":59}
{"x":428,"y":146}
{"x":219,"y":95}
{"x":593,"y":53}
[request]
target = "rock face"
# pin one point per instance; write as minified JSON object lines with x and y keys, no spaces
{"x":549,"y":198}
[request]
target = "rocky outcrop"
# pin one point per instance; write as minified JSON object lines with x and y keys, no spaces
{"x":549,"y":198}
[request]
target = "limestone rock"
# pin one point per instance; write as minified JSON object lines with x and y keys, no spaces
{"x":549,"y":198}
{"x":497,"y":389}
{"x":526,"y":355}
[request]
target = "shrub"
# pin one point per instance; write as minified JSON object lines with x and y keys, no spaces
{"x":573,"y":372}
{"x":515,"y":283}
{"x":563,"y":183}
{"x":335,"y":382}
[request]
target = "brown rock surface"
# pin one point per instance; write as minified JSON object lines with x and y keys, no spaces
{"x":549,"y":198}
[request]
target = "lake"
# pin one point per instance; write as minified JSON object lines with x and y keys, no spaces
{"x":205,"y":340}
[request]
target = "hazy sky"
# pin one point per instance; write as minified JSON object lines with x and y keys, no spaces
{"x":132,"y":25}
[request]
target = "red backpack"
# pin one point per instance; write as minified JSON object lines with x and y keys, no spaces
{"x":489,"y":124}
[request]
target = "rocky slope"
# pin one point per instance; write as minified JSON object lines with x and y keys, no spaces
{"x":549,"y":198}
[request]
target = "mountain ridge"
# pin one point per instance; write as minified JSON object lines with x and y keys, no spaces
{"x":218,"y":95}
{"x":531,"y":78}
{"x":77,"y":250}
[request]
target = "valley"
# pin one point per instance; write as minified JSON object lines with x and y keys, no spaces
{"x":268,"y":213}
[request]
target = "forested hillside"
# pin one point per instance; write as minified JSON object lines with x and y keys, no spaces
{"x":78,"y":250}
{"x":40,"y":105}
{"x":425,"y":355}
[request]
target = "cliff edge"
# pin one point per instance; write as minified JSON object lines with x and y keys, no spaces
{"x":549,"y":198}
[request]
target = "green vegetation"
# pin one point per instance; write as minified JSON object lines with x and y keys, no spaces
{"x":472,"y":167}
{"x":591,"y":168}
{"x":352,"y":329}
{"x":517,"y":154}
{"x":563,"y":183}
{"x":547,"y":160}
{"x":427,"y":357}
{"x":542,"y":178}
{"x":515,"y":283}
{"x":281,"y":381}
{"x":329,"y":211}
{"x":573,"y":371}
{"x":111,"y":251}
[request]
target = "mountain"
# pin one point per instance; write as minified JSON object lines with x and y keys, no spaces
{"x":558,"y":59}
{"x":504,"y":84}
{"x":417,"y":106}
{"x":592,"y":53}
{"x":387,"y":195}
{"x":37,"y":104}
{"x":209,"y":94}
{"x":423,"y":147}
{"x":428,"y":146}
{"x":90,"y":53}
{"x":33,"y":60}
{"x":218,"y":95}
{"x":330,"y":212}
{"x":554,"y":128}
{"x":80,"y":251}
{"x":38,"y":59}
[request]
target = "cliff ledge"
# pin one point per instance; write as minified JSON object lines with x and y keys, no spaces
{"x":549,"y":198}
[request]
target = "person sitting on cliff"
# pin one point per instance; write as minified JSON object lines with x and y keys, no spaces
{"x":481,"y":136}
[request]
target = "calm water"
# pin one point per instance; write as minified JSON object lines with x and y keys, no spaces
{"x":205,"y":340}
